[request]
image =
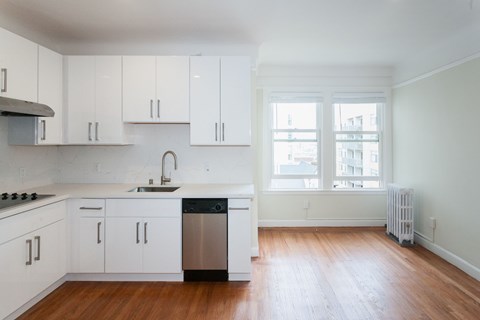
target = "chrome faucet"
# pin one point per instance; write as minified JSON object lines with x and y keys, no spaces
{"x":163,"y":178}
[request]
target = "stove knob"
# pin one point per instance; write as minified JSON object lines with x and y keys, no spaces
{"x":218,"y":207}
{"x":14,"y":196}
{"x":4,"y":196}
{"x":24,"y":196}
{"x":34,"y":196}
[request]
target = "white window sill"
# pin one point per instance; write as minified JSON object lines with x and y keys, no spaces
{"x":342,"y":192}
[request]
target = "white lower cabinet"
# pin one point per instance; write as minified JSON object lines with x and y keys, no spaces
{"x":31,"y":262}
{"x":143,"y":236}
{"x":239,"y":239}
{"x":87,"y":236}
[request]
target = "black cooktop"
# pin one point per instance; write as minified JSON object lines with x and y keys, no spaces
{"x":11,"y":200}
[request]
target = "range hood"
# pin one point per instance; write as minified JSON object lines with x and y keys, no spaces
{"x":19,"y":108}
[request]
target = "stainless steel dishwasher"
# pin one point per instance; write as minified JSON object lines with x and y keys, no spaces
{"x":204,"y":235}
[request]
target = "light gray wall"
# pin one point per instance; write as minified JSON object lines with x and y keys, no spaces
{"x":436,"y":152}
{"x":40,"y":164}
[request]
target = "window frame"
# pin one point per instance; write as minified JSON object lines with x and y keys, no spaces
{"x":294,"y":97}
{"x":360,"y":97}
{"x":326,"y":139}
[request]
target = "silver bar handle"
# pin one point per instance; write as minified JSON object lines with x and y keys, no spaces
{"x":151,"y":108}
{"x":37,"y":258}
{"x":158,"y":108}
{"x":29,"y":261}
{"x":99,"y":224}
{"x":223,"y":131}
{"x":4,"y":86}
{"x":242,"y":208}
{"x":44,"y":130}
{"x":138,"y":238}
{"x":90,"y":131}
{"x":96,"y":131}
{"x":216,"y":131}
{"x":145,"y":240}
{"x":91,"y":208}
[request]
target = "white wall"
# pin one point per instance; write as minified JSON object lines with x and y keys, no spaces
{"x":326,"y":208}
{"x":436,"y":152}
{"x":142,"y":161}
{"x":40,"y":164}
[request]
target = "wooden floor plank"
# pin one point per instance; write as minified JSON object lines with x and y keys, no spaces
{"x":302,"y":273}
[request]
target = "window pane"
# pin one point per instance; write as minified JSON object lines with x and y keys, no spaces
{"x":356,"y":117}
{"x":295,"y":158}
{"x":359,"y":137}
{"x":349,"y":184}
{"x":295,"y":183}
{"x":311,"y":136}
{"x":294,"y":115}
{"x":355,"y":159}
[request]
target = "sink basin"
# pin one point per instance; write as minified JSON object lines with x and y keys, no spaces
{"x":154,"y":189}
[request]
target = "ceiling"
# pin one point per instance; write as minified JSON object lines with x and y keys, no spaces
{"x":285,"y":32}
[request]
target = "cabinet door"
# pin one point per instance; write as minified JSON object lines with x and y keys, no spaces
{"x":204,"y":100}
{"x":49,"y":256}
{"x":14,"y":274}
{"x":236,"y":100}
{"x":172,"y":104}
{"x":18,"y":64}
{"x":108,"y":126}
{"x":239,"y":234}
{"x":162,"y":248}
{"x":87,"y":252}
{"x":138,"y":88}
{"x":123,"y":245}
{"x":50,"y":92}
{"x":80,"y":98}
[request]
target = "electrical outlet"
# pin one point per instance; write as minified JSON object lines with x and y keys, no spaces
{"x":433,"y":222}
{"x":306,"y":204}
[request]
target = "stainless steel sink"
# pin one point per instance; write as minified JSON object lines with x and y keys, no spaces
{"x":154,"y":189}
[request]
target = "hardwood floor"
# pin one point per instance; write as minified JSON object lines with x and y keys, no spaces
{"x":302,"y":273}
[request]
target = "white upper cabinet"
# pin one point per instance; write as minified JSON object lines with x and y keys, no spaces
{"x":235,"y":100}
{"x":156,"y":89}
{"x":42,"y":130}
{"x":220,"y":101}
{"x":50,"y":92}
{"x":93,"y":100}
{"x":18,"y":66}
{"x":204,"y":100}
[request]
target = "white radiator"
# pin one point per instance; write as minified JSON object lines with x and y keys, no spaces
{"x":400,"y":214}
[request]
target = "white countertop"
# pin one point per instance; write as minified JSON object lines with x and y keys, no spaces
{"x":87,"y":190}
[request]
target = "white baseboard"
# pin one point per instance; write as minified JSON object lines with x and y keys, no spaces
{"x":323,"y":223}
{"x":35,"y":299}
{"x":463,"y":265}
{"x":239,"y":276}
{"x":125,"y":277}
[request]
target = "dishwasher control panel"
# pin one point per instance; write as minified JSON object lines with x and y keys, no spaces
{"x":205,"y":205}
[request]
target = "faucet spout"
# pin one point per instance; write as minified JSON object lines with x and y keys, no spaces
{"x":164,"y":179}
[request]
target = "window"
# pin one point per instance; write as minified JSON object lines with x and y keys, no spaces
{"x":295,"y":142}
{"x":357,"y":137}
{"x":336,"y":143}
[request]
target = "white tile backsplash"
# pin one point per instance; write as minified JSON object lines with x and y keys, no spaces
{"x":39,"y":163}
{"x":142,"y":161}
{"x":117,"y":164}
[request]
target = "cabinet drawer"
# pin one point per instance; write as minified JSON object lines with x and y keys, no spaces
{"x":28,"y":221}
{"x":144,"y":207}
{"x":239,"y":204}
{"x":87,"y":207}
